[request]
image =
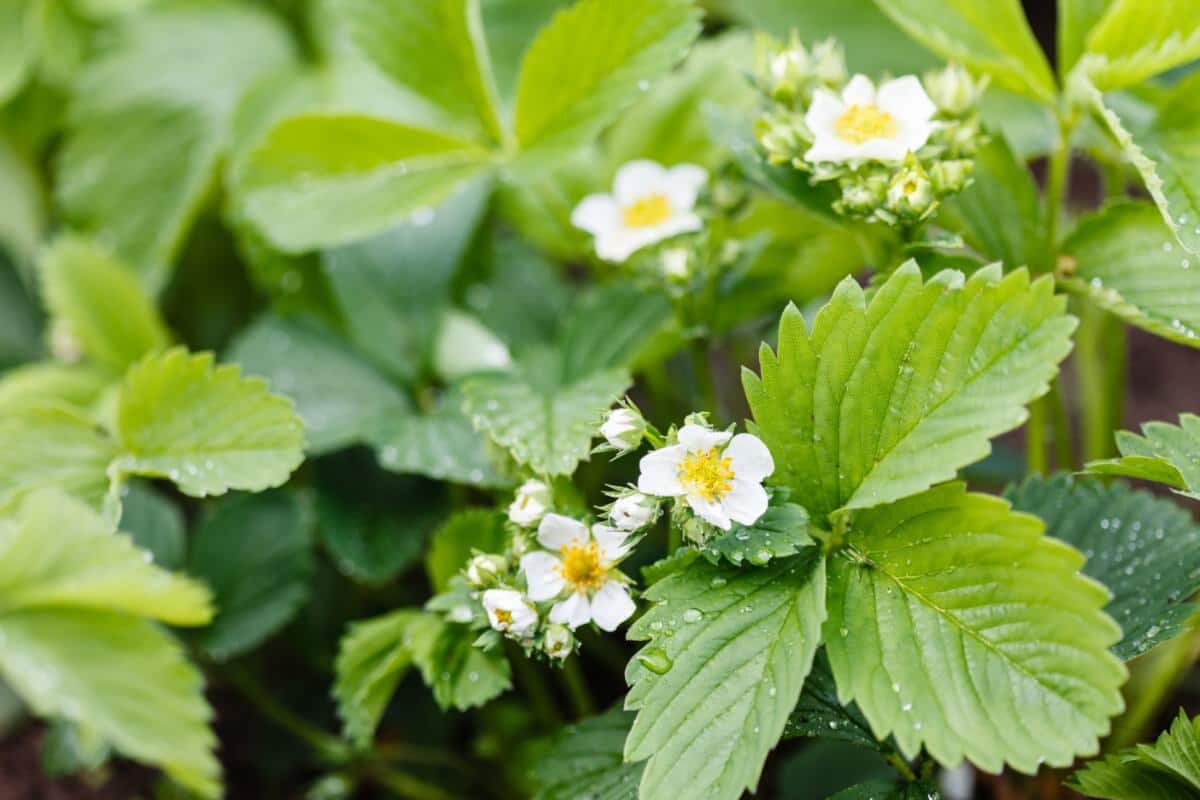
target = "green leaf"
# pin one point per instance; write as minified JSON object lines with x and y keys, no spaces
{"x":72,"y":600}
{"x":1164,"y":453}
{"x":585,"y":760}
{"x":1125,"y":260}
{"x":53,"y":446}
{"x":43,"y":383}
{"x":434,"y":48}
{"x":305,"y":188}
{"x":1169,"y":769}
{"x":882,"y":400}
{"x":372,"y":658}
{"x":1144,"y":549}
{"x":154,"y":523}
{"x":1000,"y":213}
{"x":18,"y":45}
{"x":255,"y":551}
{"x":820,"y":714}
{"x":727,"y":654}
{"x":954,"y":624}
{"x":341,"y":397}
{"x":1134,"y":41}
{"x":22,"y":207}
{"x":885,"y":789}
{"x":615,"y":48}
{"x":988,"y":37}
{"x":455,"y":542}
{"x":1076,"y":18}
{"x":609,"y":327}
{"x":101,"y":302}
{"x":206,"y":428}
{"x":459,"y":673}
{"x":547,"y":424}
{"x":781,"y":531}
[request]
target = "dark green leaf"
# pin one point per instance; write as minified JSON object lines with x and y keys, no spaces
{"x":585,"y":760}
{"x":455,"y":542}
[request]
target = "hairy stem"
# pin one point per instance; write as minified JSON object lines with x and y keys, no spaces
{"x":706,"y":384}
{"x":1100,"y":362}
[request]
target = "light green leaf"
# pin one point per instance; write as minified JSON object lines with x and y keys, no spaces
{"x":713,"y":698}
{"x":1125,"y":260}
{"x":882,"y":400}
{"x":206,"y":428}
{"x":1144,"y":549}
{"x":464,"y":346}
{"x":455,"y":542}
{"x":1164,"y":453}
{"x":22,"y":206}
{"x":372,"y":658}
{"x":614,"y":49}
{"x":585,"y":760}
{"x":1076,"y":18}
{"x":987,"y":36}
{"x":101,"y":302}
{"x":459,"y":673}
{"x":547,"y":424}
{"x":434,"y":48}
{"x":305,"y":188}
{"x":255,"y":551}
{"x":1169,"y":769}
{"x":42,"y":383}
{"x":1134,"y":41}
{"x":53,"y":446}
{"x":781,"y":531}
{"x":338,"y":394}
{"x":18,"y":44}
{"x":954,"y":624}
{"x":154,"y":523}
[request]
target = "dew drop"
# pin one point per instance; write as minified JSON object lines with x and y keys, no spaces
{"x":656,"y":660}
{"x":692,"y":615}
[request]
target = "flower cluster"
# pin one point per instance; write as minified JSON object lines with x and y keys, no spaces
{"x":893,"y":150}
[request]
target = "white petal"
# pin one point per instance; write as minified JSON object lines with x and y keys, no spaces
{"x":684,"y":183}
{"x":611,"y":541}
{"x":709,"y":511}
{"x":660,"y":472}
{"x":833,"y":149}
{"x":698,"y":437}
{"x":523,"y":620}
{"x":543,"y":575}
{"x":597,"y":214}
{"x":749,"y":458}
{"x":746,"y":501}
{"x":905,"y":99}
{"x":859,"y":91}
{"x":887,"y":151}
{"x":680,"y":223}
{"x":572,"y":612}
{"x":612,"y":605}
{"x":556,"y":532}
{"x":618,"y":245}
{"x":915,"y":134}
{"x":824,"y":110}
{"x":636,"y":179}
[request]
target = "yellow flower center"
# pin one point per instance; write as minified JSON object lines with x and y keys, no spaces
{"x":503,"y":617}
{"x":646,"y":211}
{"x":859,"y":124}
{"x":581,"y":567}
{"x":706,"y":473}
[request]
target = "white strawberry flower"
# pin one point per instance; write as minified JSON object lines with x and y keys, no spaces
{"x":633,"y":512}
{"x":868,"y":125}
{"x":649,"y":203}
{"x":509,"y":612}
{"x":719,"y":477}
{"x":532,"y":501}
{"x":623,"y":429}
{"x":581,"y":565}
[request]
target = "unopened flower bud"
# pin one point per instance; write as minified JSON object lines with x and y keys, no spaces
{"x":483,"y":569}
{"x":623,"y":429}
{"x":829,"y":62}
{"x":951,"y":176}
{"x":910,"y":194}
{"x":676,"y":263}
{"x":783,"y":135}
{"x":953,"y":90}
{"x":531,"y":503}
{"x":633,"y":512}
{"x":783,"y":70}
{"x":558,"y":641}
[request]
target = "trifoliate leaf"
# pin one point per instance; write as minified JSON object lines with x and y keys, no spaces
{"x":339,"y":395}
{"x":615,"y":49}
{"x":884,"y":399}
{"x":1164,"y":453}
{"x":1134,"y":41}
{"x":72,"y":600}
{"x":101,"y":302}
{"x":986,"y":36}
{"x":53,"y":446}
{"x":820,"y":714}
{"x":1125,"y":260}
{"x":455,"y":542}
{"x":436,"y":49}
{"x":727,"y":654}
{"x":954,"y":624}
{"x":1146,"y":550}
{"x":585,"y":760}
{"x":206,"y":428}
{"x":1169,"y":769}
{"x":372,"y":658}
{"x":781,"y":531}
{"x":610,"y":327}
{"x":255,"y":551}
{"x":460,"y":674}
{"x":154,"y":523}
{"x":547,"y":424}
{"x":305,"y":188}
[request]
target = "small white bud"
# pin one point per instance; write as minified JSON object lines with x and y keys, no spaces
{"x":483,"y":569}
{"x":558,"y":641}
{"x":676,"y":263}
{"x":531,"y":503}
{"x":953,"y":90}
{"x":633,"y":512}
{"x":64,"y":344}
{"x":911,"y":192}
{"x":623,"y":429}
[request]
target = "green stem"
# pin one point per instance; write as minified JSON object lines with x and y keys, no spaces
{"x":674,"y":537}
{"x":1035,"y":438}
{"x":901,"y":766}
{"x":1154,"y":677}
{"x":706,"y":385}
{"x":1056,"y":186}
{"x":577,"y":689}
{"x":405,"y":785}
{"x":328,"y":746}
{"x":1100,"y":359}
{"x":534,"y":687}
{"x":1064,"y":448}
